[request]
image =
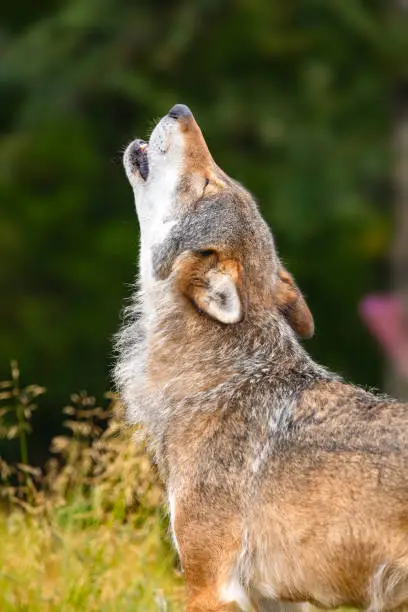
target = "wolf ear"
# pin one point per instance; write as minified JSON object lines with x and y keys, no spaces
{"x":219,"y":297}
{"x":292,"y":304}
{"x":213,"y":287}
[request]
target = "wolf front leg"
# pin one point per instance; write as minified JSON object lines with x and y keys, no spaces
{"x":208,"y":600}
{"x":209,"y":587}
{"x":208,"y":552}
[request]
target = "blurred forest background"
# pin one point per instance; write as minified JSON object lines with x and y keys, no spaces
{"x":297,"y":100}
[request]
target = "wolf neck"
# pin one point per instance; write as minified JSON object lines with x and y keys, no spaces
{"x":188,"y":356}
{"x":173,"y":365}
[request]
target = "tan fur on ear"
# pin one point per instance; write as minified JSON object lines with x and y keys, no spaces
{"x":292,"y":304}
{"x":213,"y":286}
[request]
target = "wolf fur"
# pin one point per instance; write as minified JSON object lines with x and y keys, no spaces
{"x":285,"y":484}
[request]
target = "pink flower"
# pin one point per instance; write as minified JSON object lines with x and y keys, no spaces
{"x":386,"y":318}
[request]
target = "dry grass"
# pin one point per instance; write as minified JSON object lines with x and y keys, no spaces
{"x":47,"y":566}
{"x":88,"y":532}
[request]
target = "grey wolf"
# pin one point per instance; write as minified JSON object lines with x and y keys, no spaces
{"x":284,"y":483}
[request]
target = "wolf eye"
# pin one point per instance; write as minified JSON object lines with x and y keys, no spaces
{"x":206,"y":183}
{"x":206,"y":252}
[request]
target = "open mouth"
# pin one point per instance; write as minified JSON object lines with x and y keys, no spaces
{"x":138,"y":158}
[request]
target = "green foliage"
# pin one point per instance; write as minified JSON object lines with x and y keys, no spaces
{"x":294,"y":99}
{"x":16,"y":408}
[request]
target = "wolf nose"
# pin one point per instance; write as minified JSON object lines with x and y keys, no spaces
{"x":179,"y":110}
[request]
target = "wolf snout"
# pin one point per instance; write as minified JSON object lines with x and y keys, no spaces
{"x":180,"y":111}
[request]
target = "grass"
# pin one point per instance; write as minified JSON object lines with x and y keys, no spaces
{"x":47,"y":566}
{"x":88,"y":531}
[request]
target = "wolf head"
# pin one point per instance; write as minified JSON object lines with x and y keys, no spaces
{"x":202,"y":232}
